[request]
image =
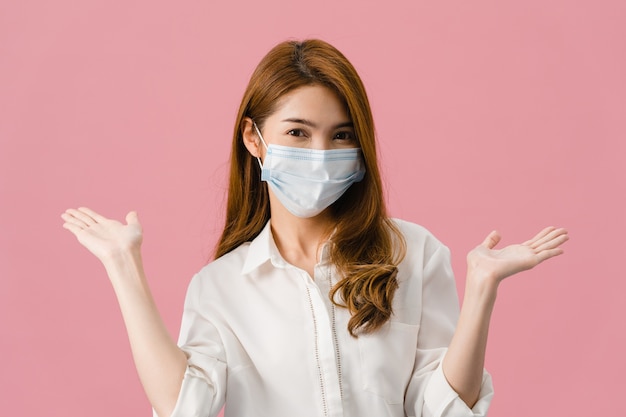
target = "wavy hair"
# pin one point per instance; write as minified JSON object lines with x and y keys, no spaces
{"x":366,"y":246}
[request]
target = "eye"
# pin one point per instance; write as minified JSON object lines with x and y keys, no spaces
{"x":296,"y":132}
{"x":344,"y":136}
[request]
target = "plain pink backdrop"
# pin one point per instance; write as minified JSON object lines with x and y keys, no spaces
{"x":490,"y":114}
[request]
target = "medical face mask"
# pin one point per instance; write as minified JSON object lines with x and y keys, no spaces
{"x":306,"y":181}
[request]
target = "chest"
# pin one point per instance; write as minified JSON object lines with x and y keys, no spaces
{"x":284,"y":328}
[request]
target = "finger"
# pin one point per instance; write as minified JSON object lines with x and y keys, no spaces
{"x":491,"y":240}
{"x":97,"y":217}
{"x":539,"y":236}
{"x":87,"y":219}
{"x":553,"y":243}
{"x":69,"y":218}
{"x":72,"y":228}
{"x":132,"y":218}
{"x":555,"y":234}
{"x":547,"y":254}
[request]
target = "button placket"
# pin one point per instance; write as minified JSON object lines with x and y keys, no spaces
{"x":326,"y":345}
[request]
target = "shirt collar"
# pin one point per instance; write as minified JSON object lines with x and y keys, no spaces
{"x":263,"y":249}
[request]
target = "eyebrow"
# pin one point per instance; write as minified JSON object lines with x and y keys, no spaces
{"x":314,"y":126}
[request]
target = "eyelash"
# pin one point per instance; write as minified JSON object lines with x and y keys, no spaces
{"x":347,"y":133}
{"x":296,"y":132}
{"x":300,"y":133}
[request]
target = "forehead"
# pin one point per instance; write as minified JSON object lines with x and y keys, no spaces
{"x":314,"y":102}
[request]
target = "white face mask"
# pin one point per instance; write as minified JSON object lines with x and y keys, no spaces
{"x":307,"y":181}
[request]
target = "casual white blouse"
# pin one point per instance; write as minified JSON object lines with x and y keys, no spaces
{"x":263,"y":338}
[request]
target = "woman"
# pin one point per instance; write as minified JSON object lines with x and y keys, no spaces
{"x":317,"y":303}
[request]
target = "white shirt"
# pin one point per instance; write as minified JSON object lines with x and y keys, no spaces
{"x":263,"y":338}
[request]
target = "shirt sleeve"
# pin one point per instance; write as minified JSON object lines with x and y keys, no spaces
{"x":429,"y":394}
{"x":202,"y":393}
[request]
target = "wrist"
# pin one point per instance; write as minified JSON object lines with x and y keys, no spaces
{"x":480,"y":288}
{"x":124,"y":265}
{"x":121,"y":256}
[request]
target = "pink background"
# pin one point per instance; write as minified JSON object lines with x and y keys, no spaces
{"x":490,"y":114}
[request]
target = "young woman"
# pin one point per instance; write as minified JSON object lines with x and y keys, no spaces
{"x":317,"y":303}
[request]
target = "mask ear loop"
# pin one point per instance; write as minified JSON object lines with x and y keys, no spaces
{"x":260,"y":137}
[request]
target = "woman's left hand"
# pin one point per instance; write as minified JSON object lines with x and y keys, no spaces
{"x":489,"y":266}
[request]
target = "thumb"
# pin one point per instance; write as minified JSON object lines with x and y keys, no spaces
{"x":132,"y":218}
{"x":491,"y":240}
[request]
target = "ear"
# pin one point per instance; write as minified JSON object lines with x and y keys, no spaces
{"x":250,"y":138}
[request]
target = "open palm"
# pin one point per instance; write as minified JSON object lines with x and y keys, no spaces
{"x":496,"y":264}
{"x":103,"y":237}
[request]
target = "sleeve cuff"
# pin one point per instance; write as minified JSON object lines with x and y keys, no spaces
{"x":442,"y":401}
{"x":198,"y":397}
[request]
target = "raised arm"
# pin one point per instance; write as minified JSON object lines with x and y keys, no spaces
{"x":160,"y":362}
{"x":486,"y":268}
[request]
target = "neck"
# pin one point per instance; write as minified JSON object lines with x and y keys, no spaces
{"x":299,"y":239}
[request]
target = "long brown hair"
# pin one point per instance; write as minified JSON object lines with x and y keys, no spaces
{"x":366,"y":246}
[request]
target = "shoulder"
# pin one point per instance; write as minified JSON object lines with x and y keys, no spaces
{"x":423,"y":251}
{"x":425,"y":267}
{"x":220,"y":272}
{"x":417,"y":237}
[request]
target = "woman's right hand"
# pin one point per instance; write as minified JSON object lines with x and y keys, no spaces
{"x":105,"y":238}
{"x":160,"y":363}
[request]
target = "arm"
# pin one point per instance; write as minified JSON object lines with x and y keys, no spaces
{"x":160,"y":362}
{"x":487,"y":267}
